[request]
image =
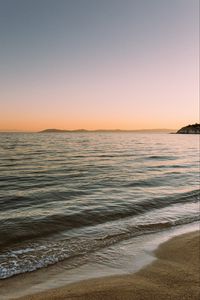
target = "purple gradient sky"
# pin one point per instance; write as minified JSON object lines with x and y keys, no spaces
{"x":93,"y":64}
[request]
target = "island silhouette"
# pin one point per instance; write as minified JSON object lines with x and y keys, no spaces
{"x":190,"y":129}
{"x":54,"y":130}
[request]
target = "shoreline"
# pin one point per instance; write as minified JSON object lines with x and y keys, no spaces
{"x":173,"y":275}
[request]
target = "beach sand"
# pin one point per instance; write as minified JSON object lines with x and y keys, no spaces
{"x":175,"y":274}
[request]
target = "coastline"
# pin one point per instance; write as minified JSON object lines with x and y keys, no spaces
{"x":173,"y":275}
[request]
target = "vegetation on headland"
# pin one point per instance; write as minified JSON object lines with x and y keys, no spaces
{"x":190,"y":129}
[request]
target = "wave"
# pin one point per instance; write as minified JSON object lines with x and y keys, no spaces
{"x":32,"y":256}
{"x":14,"y":202}
{"x":14,"y":229}
{"x":160,"y":157}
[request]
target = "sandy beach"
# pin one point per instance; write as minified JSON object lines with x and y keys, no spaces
{"x":175,"y":274}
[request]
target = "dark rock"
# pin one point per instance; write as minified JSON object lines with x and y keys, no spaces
{"x":190,"y":129}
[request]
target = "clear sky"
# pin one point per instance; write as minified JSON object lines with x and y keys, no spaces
{"x":98,"y":64}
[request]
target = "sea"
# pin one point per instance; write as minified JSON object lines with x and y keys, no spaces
{"x":66,"y":197}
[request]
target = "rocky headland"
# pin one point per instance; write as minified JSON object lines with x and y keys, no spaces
{"x":190,"y":129}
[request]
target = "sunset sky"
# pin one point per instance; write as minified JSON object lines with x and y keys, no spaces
{"x":96,"y":64}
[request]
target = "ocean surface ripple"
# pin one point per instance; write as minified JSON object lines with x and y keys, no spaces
{"x":65,"y":195}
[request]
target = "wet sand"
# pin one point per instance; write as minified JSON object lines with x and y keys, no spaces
{"x":175,"y":274}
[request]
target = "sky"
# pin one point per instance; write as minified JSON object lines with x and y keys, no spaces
{"x":98,"y":64}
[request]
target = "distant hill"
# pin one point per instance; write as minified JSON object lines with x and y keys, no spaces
{"x":53,"y":130}
{"x":60,"y":130}
{"x":190,"y":129}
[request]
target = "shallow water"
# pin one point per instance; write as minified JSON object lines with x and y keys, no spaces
{"x":63,"y":196}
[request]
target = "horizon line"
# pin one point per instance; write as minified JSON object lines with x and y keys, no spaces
{"x":85,"y":130}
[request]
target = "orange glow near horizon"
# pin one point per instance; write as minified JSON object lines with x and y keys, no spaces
{"x":146,"y":102}
{"x":128,"y":65}
{"x":30,"y":126}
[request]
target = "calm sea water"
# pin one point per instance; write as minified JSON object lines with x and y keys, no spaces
{"x":65,"y":195}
